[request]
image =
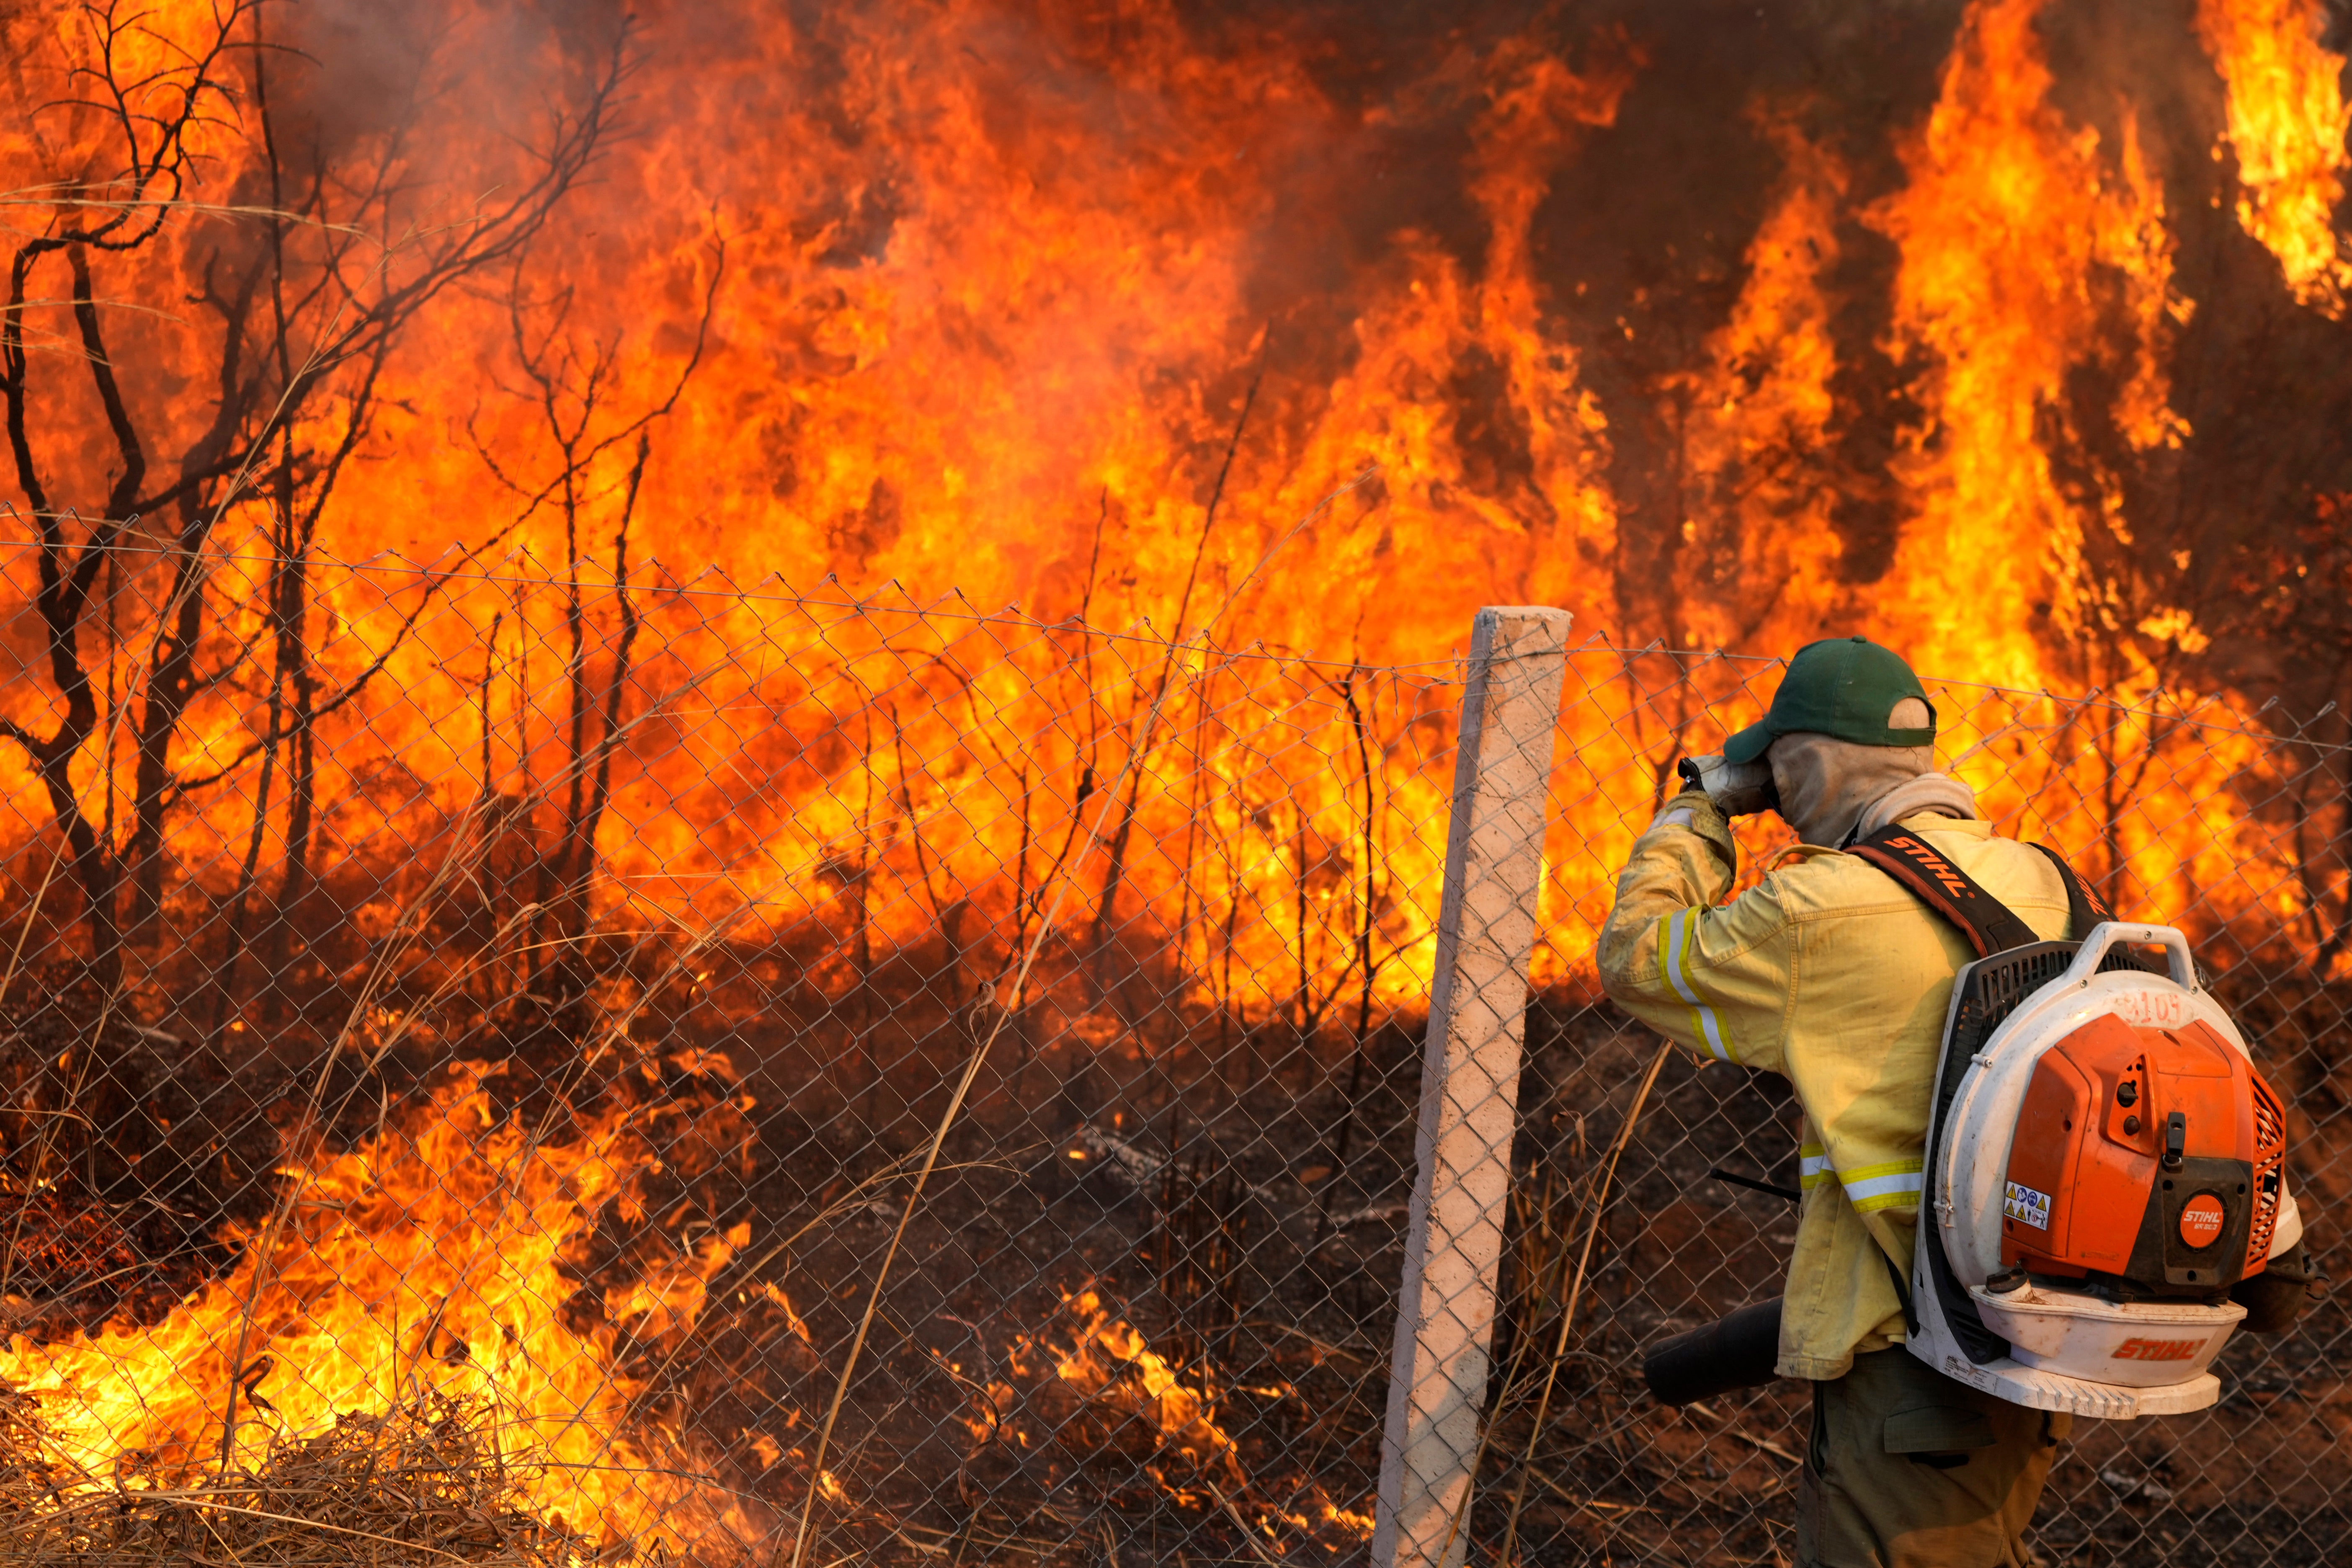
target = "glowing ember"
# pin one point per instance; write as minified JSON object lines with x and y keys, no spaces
{"x":1113,"y":1365}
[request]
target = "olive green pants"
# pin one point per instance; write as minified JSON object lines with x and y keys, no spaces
{"x":1907,"y":1468}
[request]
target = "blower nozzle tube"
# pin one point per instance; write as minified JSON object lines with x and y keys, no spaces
{"x":1738,"y":1351}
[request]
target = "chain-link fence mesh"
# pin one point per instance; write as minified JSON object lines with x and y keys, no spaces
{"x":524,"y":1007}
{"x":503,"y":1063}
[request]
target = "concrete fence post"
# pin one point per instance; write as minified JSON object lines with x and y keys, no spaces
{"x":1470,"y":1083}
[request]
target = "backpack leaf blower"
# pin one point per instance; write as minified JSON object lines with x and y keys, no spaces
{"x":2104,"y":1162}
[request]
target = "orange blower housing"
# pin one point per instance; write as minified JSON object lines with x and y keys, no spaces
{"x":2146,"y":1163}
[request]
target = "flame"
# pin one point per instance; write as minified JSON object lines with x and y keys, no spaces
{"x":2287,"y":124}
{"x":1111,"y":1363}
{"x":984,"y":338}
{"x":427,"y":1260}
{"x":2010,"y":219}
{"x":1761,"y":407}
{"x":1036,"y":306}
{"x":1114,"y":1366}
{"x":1000,"y":336}
{"x":996,"y":313}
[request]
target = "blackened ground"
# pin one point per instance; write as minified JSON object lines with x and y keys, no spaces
{"x":1236,"y":1203}
{"x":124,"y":1152}
{"x":1217,"y":1226}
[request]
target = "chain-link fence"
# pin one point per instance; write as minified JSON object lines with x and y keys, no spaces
{"x":783,"y":1079}
{"x":521,"y":1066}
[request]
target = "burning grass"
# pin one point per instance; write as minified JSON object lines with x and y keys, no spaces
{"x":574,"y":1265}
{"x":425,"y":1483}
{"x":125,"y":1158}
{"x":464,"y":1262}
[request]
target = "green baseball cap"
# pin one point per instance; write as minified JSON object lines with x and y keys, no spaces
{"x":1843,"y":687}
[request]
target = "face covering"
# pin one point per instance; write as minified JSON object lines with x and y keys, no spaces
{"x":1832,"y":792}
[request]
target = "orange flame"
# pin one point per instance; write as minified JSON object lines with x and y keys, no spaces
{"x":2010,"y":219}
{"x":429,"y":1258}
{"x":996,"y":319}
{"x":2288,"y":121}
{"x":1760,"y":406}
{"x":1113,"y":1363}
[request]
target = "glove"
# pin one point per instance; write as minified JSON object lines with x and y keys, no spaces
{"x":1737,"y":789}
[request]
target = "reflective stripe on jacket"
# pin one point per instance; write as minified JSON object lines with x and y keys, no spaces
{"x":1830,"y":973}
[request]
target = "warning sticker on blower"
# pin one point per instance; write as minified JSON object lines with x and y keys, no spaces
{"x":2027,"y":1207}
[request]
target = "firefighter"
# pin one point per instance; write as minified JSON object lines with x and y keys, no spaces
{"x":1831,"y":975}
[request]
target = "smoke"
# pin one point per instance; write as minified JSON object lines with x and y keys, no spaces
{"x":453,"y":92}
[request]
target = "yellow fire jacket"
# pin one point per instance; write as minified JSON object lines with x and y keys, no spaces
{"x":1831,"y":974}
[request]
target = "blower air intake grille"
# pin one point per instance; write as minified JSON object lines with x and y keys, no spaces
{"x":1991,"y":988}
{"x":2270,"y":1158}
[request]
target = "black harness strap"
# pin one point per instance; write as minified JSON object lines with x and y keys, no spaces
{"x":2084,"y":907}
{"x":1989,"y":925}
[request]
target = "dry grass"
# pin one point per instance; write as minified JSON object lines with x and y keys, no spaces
{"x":424,"y":1485}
